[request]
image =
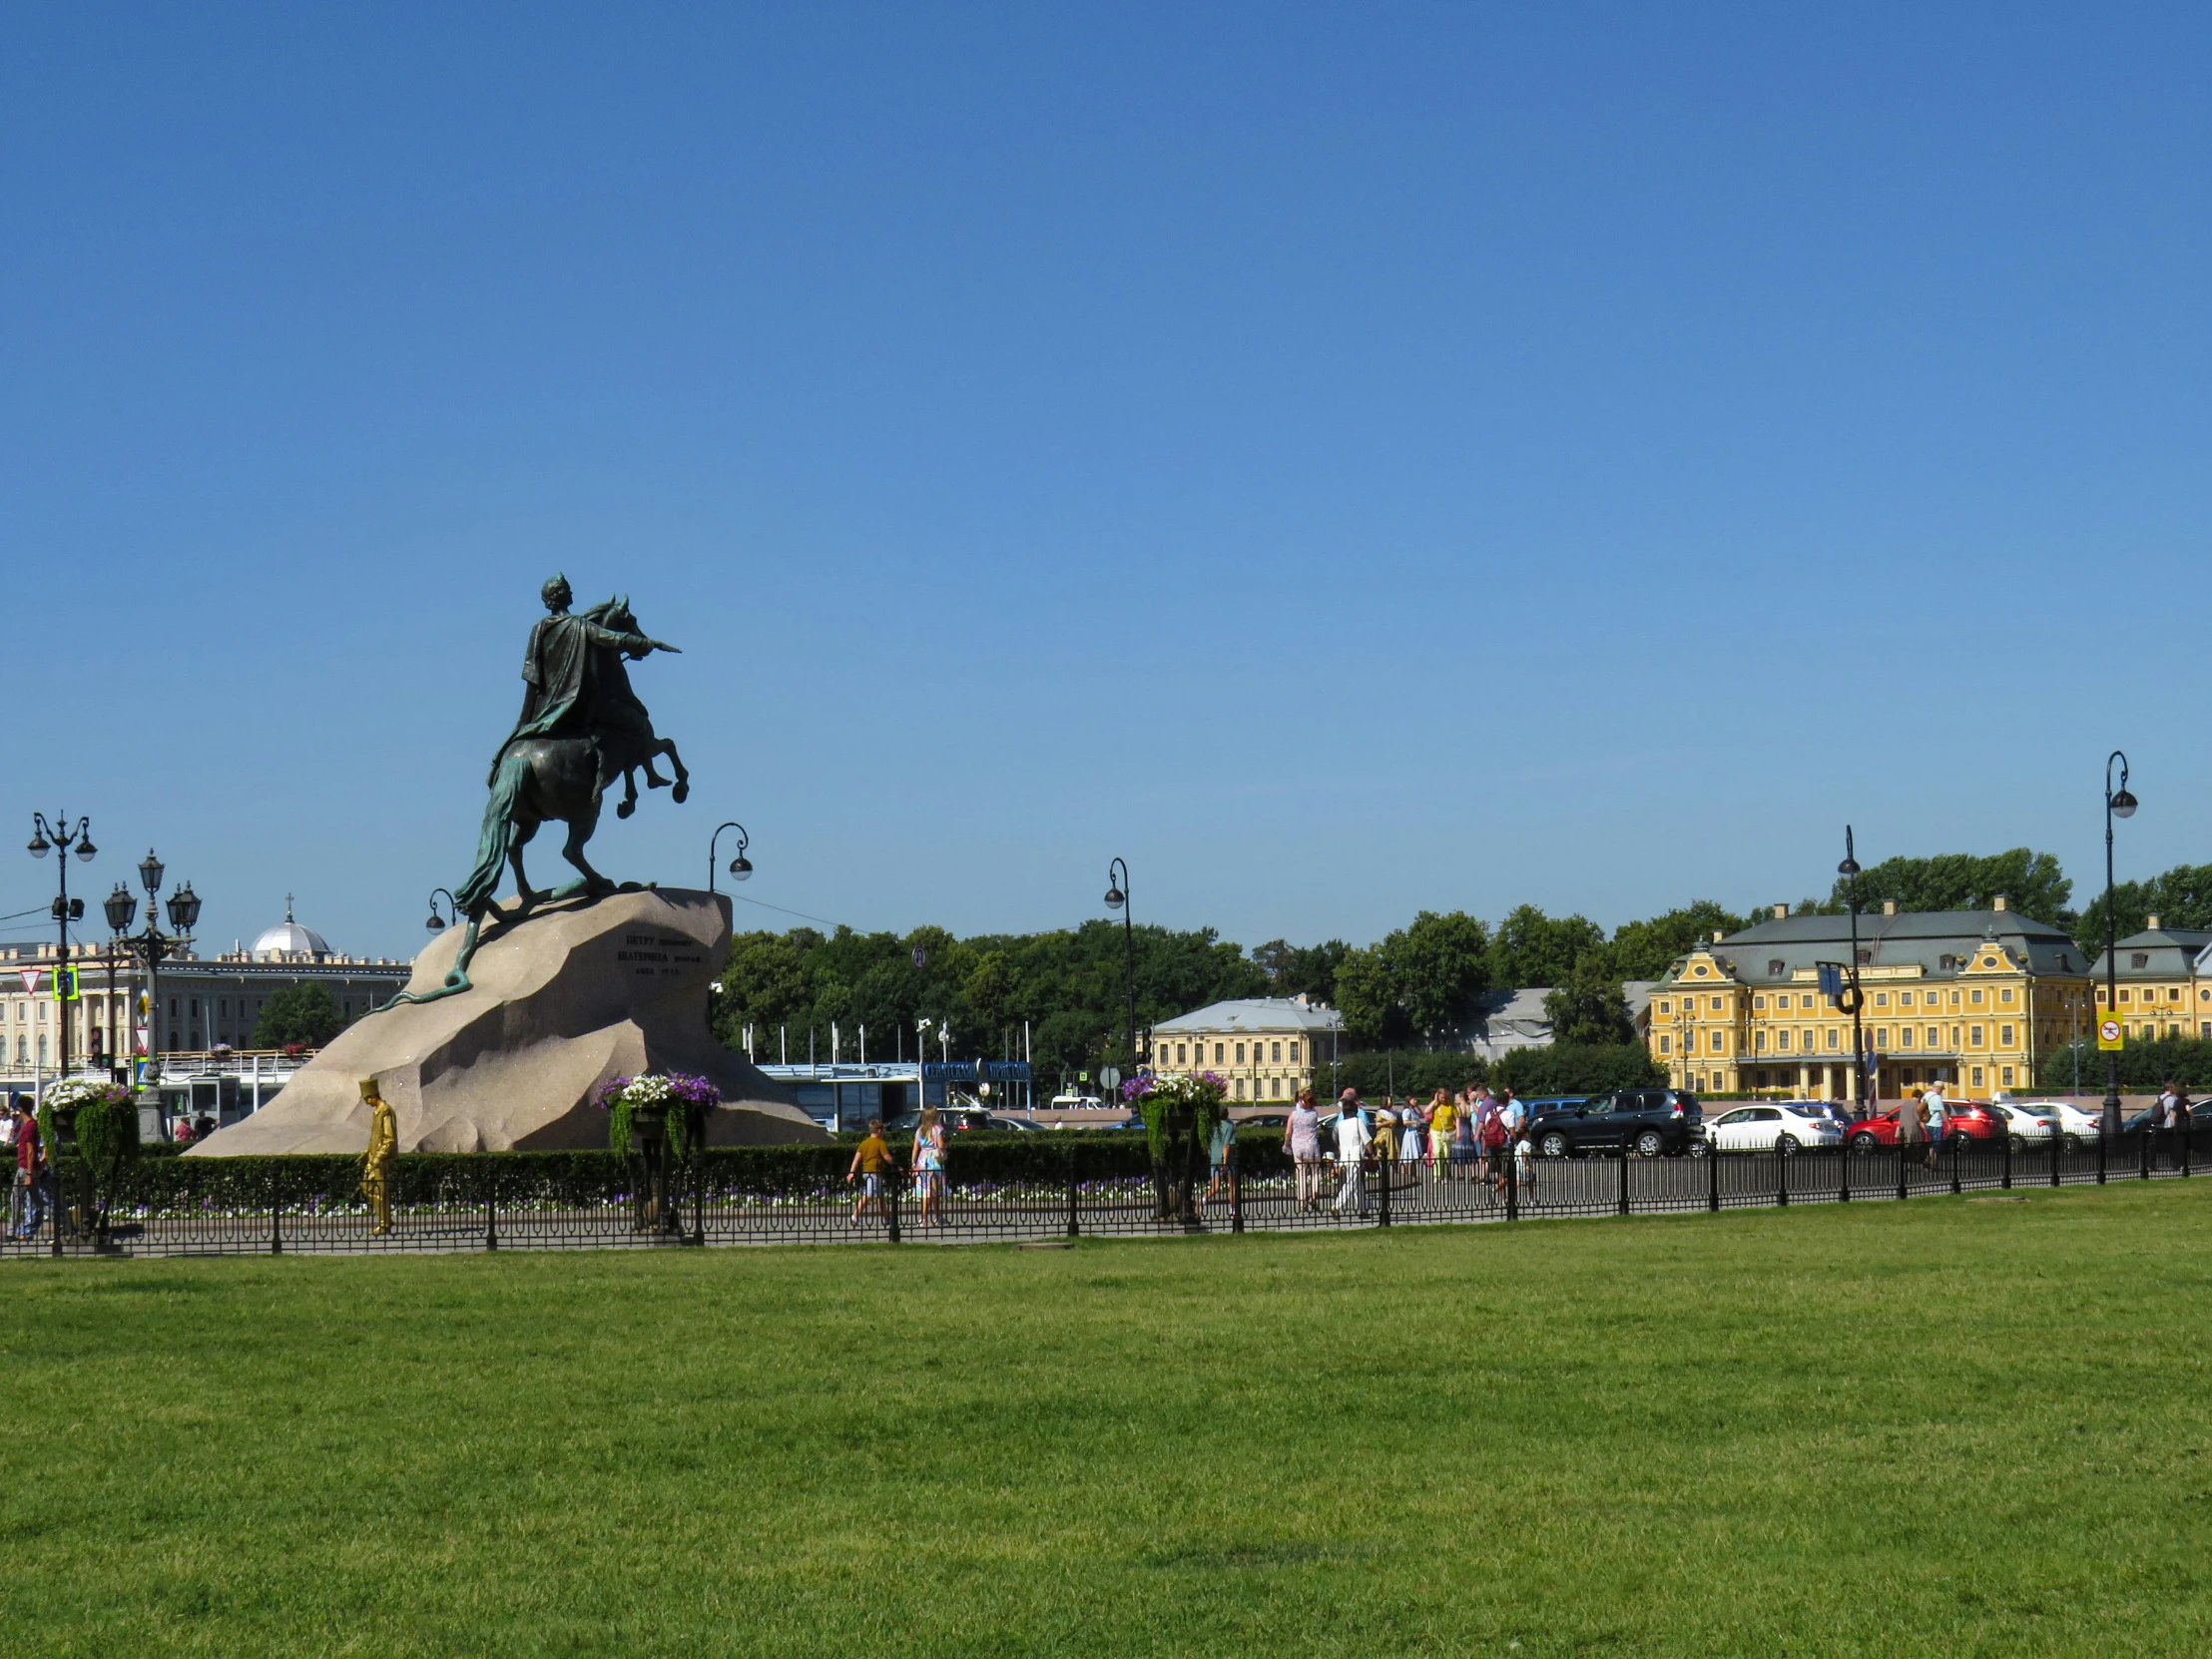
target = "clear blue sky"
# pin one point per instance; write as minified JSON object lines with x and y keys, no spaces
{"x":1346,"y":460}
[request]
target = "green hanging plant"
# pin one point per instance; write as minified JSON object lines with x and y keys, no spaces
{"x":687,"y":1101}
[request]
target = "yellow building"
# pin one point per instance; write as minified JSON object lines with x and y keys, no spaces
{"x":1971,"y":998}
{"x":2165,"y":990}
{"x":1266,"y":1047}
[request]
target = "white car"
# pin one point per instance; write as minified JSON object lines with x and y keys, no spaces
{"x":2075,"y":1126}
{"x":2022,"y":1124}
{"x":1785,"y":1126}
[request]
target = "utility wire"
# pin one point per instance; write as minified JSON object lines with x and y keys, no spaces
{"x":801,"y":914}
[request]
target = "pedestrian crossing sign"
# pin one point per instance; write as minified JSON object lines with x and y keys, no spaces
{"x":2111,"y":1035}
{"x":65,"y":983}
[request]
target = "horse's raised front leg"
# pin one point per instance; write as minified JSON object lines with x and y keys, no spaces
{"x":682,"y":777}
{"x":628,"y":802}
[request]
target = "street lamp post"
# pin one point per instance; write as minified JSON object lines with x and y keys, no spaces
{"x":59,"y":837}
{"x":1117,"y":899}
{"x":741,"y":867}
{"x":1848,"y":871}
{"x":438,"y":924}
{"x":2118,"y":804}
{"x":152,"y":946}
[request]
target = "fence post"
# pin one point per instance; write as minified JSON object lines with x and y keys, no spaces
{"x":890,"y":1201}
{"x":699,"y":1190}
{"x":492,"y":1221}
{"x":2146,"y":1151}
{"x":1843,"y":1162}
{"x":1383,"y":1204}
{"x":275,"y":1224}
{"x":2057,"y":1145}
{"x":2005,"y":1182}
{"x":1624,"y":1181}
{"x":1074,"y":1225}
{"x":1512,"y":1181}
{"x":1901,"y":1176}
{"x":2103,"y":1155}
{"x":2188,"y":1134}
{"x":1713,"y":1180}
{"x":1781,"y":1179}
{"x":1236,"y":1189}
{"x":1958,"y":1142}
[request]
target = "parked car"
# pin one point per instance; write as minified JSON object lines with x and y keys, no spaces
{"x":961,"y":1122}
{"x":1648,"y":1122}
{"x":2023,"y":1124}
{"x":1786,"y":1126}
{"x":2077,"y":1124}
{"x":1976,"y":1120}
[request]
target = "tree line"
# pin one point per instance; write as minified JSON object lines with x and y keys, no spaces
{"x":1418,"y":988}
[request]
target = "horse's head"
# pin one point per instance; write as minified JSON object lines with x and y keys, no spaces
{"x":616,"y":615}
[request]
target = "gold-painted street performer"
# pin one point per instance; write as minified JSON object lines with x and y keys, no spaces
{"x":383,"y":1147}
{"x":580,"y":729}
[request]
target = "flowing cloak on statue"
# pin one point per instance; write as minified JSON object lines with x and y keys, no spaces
{"x":566,"y":694}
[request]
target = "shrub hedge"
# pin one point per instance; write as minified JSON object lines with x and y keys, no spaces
{"x":316,"y":1179}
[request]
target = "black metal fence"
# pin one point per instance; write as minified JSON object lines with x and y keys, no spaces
{"x":189,"y":1206}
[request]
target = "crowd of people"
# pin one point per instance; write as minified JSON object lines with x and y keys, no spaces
{"x":1467,"y":1136}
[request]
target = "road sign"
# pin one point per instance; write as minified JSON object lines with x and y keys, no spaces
{"x":29,"y":980}
{"x":1109,"y":1077}
{"x":2111,"y":1035}
{"x":65,"y":983}
{"x":921,"y":956}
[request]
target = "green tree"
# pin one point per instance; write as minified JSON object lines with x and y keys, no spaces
{"x":1532,"y":949}
{"x":1588,"y":1008}
{"x":304,"y":1013}
{"x":1309,"y":971}
{"x":1419,"y":981}
{"x":2180,"y":897}
{"x":1646,"y":949}
{"x":2033,"y":883}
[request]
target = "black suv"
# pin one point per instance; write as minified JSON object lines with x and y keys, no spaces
{"x":1649,"y":1122}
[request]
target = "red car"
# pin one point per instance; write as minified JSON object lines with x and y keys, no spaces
{"x":1970,"y":1118}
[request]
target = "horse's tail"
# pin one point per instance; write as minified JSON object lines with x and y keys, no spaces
{"x":496,"y":839}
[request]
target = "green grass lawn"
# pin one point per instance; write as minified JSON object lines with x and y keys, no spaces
{"x":1946,"y":1427}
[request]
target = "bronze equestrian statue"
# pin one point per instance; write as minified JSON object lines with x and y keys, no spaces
{"x":580,"y":729}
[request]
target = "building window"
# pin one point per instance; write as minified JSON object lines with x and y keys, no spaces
{"x":1218,"y":1047}
{"x":1238,"y":1087}
{"x":1905,"y":999}
{"x":1977,"y":993}
{"x":1974,"y":1036}
{"x":1882,"y":1037}
{"x":1668,"y":1008}
{"x":1293,"y":1054}
{"x":1275,"y":1053}
{"x":1774,"y":967}
{"x":1182,"y":1054}
{"x":1881,"y":999}
{"x":1716,"y":1005}
{"x":1904,"y":1036}
{"x":1759,"y":1040}
{"x":1781,"y":1041}
{"x":1835,"y":1038}
{"x":1935,"y":1038}
{"x":2139,"y":959}
{"x":2005,"y":995}
{"x":1720,"y":1042}
{"x":1978,"y":1077}
{"x":2124,"y":995}
{"x":1665,"y":1044}
{"x":1239,"y":1054}
{"x":2007,"y":1074}
{"x":1760,"y":1003}
{"x":2004,"y":1036}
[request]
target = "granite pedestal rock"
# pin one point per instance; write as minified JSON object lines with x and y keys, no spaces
{"x":561,"y":1001}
